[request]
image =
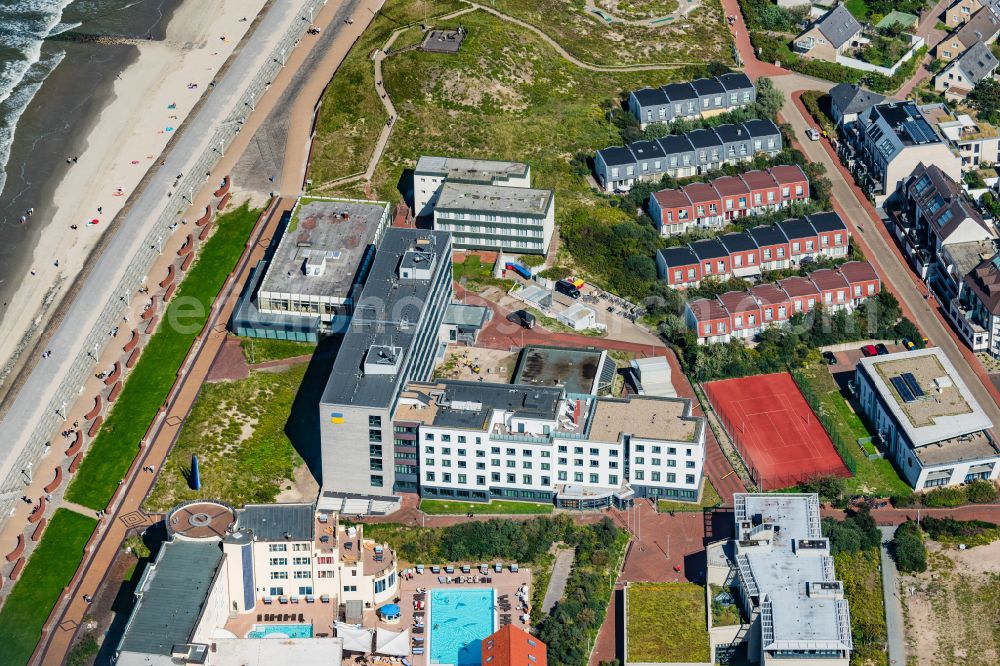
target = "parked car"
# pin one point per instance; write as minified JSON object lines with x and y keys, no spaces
{"x":813,"y":134}
{"x":522,"y":318}
{"x":881,"y":349}
{"x":829,"y":357}
{"x":568,"y":288}
{"x":909,"y":344}
{"x":869,"y":350}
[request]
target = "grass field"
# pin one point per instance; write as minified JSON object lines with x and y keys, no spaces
{"x":496,"y":507}
{"x":666,"y":623}
{"x":238,"y":429}
{"x":148,"y":384}
{"x":256,"y":350}
{"x":36,"y":592}
{"x":709,"y":498}
{"x":873,"y":477}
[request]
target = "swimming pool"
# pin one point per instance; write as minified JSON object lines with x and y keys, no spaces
{"x":281,"y":631}
{"x":460,"y":620}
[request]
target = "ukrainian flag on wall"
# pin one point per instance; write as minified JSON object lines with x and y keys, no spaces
{"x":336,"y":417}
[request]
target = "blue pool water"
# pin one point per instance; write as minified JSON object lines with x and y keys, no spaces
{"x":281,"y":631}
{"x":460,"y":620}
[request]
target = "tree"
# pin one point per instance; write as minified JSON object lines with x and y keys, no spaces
{"x":907,"y":329}
{"x":985,"y":99}
{"x":908,"y":548}
{"x":828,"y":487}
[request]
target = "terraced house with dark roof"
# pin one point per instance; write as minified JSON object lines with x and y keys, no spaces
{"x":701,"y":98}
{"x":619,"y":167}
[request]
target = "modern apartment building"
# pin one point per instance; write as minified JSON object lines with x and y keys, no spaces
{"x":714,"y":204}
{"x":221,"y":565}
{"x":745,"y":314}
{"x":431,"y":172}
{"x":392,"y":339}
{"x":518,"y":220}
{"x":887,"y":142}
{"x":977,"y":142}
{"x":787,"y":583}
{"x":701,"y":98}
{"x":927,"y":421}
{"x":745,"y":254}
{"x":681,"y":155}
{"x":477,"y":440}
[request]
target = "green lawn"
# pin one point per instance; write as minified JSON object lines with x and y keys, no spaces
{"x":859,"y":8}
{"x":257,"y":350}
{"x":666,"y":622}
{"x":239,"y":430}
{"x":709,"y":499}
{"x":148,"y":384}
{"x":495,"y":507}
{"x":873,"y":477}
{"x":36,"y":592}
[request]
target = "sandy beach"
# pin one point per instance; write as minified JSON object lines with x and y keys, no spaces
{"x":150,"y":101}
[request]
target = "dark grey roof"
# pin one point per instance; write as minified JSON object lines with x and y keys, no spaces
{"x":759,"y":127}
{"x":172,"y":597}
{"x":828,"y":221}
{"x":735,"y":81}
{"x":905,"y":119}
{"x":708,"y":87}
{"x":982,"y":27}
{"x":277,"y":522}
{"x":977,"y":63}
{"x":379,"y":317}
{"x":617,"y":155}
{"x":710,"y":248}
{"x":838,"y":26}
{"x":732,"y":133}
{"x":796,"y":228}
{"x":574,"y":369}
{"x":650,"y":96}
{"x":852,"y":98}
{"x":678,"y":92}
{"x":479,"y":399}
{"x":704,"y":138}
{"x":678,"y":256}
{"x":765,"y":235}
{"x":674,"y":144}
{"x":738,"y":242}
{"x":644,"y":150}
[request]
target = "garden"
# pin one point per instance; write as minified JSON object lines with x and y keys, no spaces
{"x":37,"y":591}
{"x":572,"y":625}
{"x":666,"y":622}
{"x":147,"y":386}
{"x":709,"y":500}
{"x":435,"y":507}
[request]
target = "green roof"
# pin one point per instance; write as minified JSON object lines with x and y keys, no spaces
{"x":898,"y":18}
{"x":171,"y":596}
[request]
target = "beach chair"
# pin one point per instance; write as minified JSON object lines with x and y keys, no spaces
{"x":302,"y":618}
{"x":259,"y":616}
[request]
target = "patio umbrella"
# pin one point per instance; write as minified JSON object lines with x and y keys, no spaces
{"x":391,"y":643}
{"x":355,"y":638}
{"x":389,"y":611}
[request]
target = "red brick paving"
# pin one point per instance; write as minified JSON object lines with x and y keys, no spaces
{"x":229,"y":364}
{"x":988,"y":512}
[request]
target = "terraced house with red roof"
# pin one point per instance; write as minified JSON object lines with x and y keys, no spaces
{"x":718,"y":202}
{"x":741,"y":315}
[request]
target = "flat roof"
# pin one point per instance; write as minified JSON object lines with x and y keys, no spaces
{"x":783,"y":573}
{"x":259,"y":652}
{"x":644,"y":417}
{"x":335,"y":232}
{"x":494,"y":198}
{"x":947,"y":409}
{"x":470,"y":170}
{"x":388,"y":314}
{"x":576,"y":370}
{"x":277,"y":522}
{"x":172,"y":596}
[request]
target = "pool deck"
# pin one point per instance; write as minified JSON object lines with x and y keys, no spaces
{"x":322,"y":616}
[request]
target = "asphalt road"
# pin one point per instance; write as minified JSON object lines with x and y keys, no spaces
{"x":893,"y":607}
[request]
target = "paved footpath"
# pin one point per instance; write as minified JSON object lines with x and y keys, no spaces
{"x":896,"y":636}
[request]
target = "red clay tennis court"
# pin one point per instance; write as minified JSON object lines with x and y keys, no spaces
{"x":774,"y":429}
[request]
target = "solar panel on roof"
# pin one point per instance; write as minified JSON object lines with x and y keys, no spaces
{"x":911,"y":383}
{"x":902,"y":389}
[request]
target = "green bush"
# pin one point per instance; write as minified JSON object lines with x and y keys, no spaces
{"x":949,"y":496}
{"x":904,"y":501}
{"x":949,"y":529}
{"x":856,"y":532}
{"x":980,"y":492}
{"x":829,"y":487}
{"x":908,"y":548}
